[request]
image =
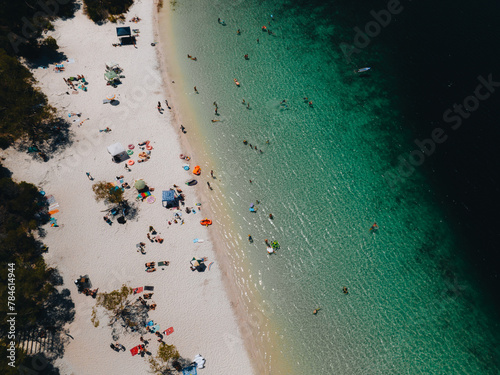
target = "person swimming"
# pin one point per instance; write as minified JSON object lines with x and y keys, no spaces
{"x":344,"y":289}
{"x":250,"y":239}
{"x":374,"y":227}
{"x":316,"y":310}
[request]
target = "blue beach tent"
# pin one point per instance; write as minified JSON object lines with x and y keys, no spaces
{"x":168,"y":198}
{"x":123,"y":31}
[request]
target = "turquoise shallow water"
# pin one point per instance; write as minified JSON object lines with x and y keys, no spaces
{"x":411,"y":309}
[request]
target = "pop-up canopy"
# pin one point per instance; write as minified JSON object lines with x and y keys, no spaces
{"x":118,"y":152}
{"x":123,"y":31}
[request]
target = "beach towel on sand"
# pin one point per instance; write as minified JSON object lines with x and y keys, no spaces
{"x":135,"y":350}
{"x":138,"y":290}
{"x":155,"y":328}
{"x":150,"y":288}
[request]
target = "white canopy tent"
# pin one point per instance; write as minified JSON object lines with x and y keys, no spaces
{"x":118,"y":152}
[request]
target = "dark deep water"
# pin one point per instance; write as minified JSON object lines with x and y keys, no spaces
{"x":433,"y":54}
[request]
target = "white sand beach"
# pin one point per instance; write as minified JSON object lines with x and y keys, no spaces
{"x":195,"y":303}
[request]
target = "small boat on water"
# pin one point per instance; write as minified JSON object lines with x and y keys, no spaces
{"x":363,"y":70}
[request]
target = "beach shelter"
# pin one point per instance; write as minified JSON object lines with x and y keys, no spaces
{"x":123,"y":31}
{"x":112,"y":65}
{"x":139,"y":184}
{"x":111,"y":76}
{"x":118,"y":152}
{"x":168,"y":198}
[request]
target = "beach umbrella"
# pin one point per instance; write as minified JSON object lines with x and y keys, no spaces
{"x":139,"y":184}
{"x":110,"y":76}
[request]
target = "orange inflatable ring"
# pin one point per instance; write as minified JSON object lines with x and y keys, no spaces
{"x":182,"y":156}
{"x":197,"y":170}
{"x":149,"y":147}
{"x":206,"y":222}
{"x":130,"y":162}
{"x":187,"y":158}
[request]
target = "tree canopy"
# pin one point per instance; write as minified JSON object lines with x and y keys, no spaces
{"x":38,"y":304}
{"x":100,"y":10}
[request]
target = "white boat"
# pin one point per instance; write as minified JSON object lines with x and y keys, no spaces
{"x":363,"y":70}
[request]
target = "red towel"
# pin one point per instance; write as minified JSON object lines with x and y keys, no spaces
{"x":169,"y":331}
{"x":135,"y":350}
{"x":138,"y":290}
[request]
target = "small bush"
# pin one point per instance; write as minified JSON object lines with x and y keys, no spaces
{"x":51,"y":43}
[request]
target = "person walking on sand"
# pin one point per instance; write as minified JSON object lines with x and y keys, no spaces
{"x":195,"y":90}
{"x":89,"y":176}
{"x":216,"y":111}
{"x":212,"y":173}
{"x":208,"y":184}
{"x":159,"y":107}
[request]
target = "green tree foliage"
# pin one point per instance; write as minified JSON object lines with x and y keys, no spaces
{"x":24,"y":110}
{"x":114,"y":301}
{"x":24,"y":21}
{"x":107,"y":192}
{"x":100,"y":10}
{"x":37,"y":302}
{"x":162,"y":363}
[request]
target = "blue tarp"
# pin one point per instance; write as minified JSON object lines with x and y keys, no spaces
{"x":189,"y":371}
{"x":123,"y":31}
{"x":168,"y":196}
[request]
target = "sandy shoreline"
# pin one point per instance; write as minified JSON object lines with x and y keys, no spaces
{"x":195,"y":304}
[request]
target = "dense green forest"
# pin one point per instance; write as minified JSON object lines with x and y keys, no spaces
{"x":40,"y":307}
